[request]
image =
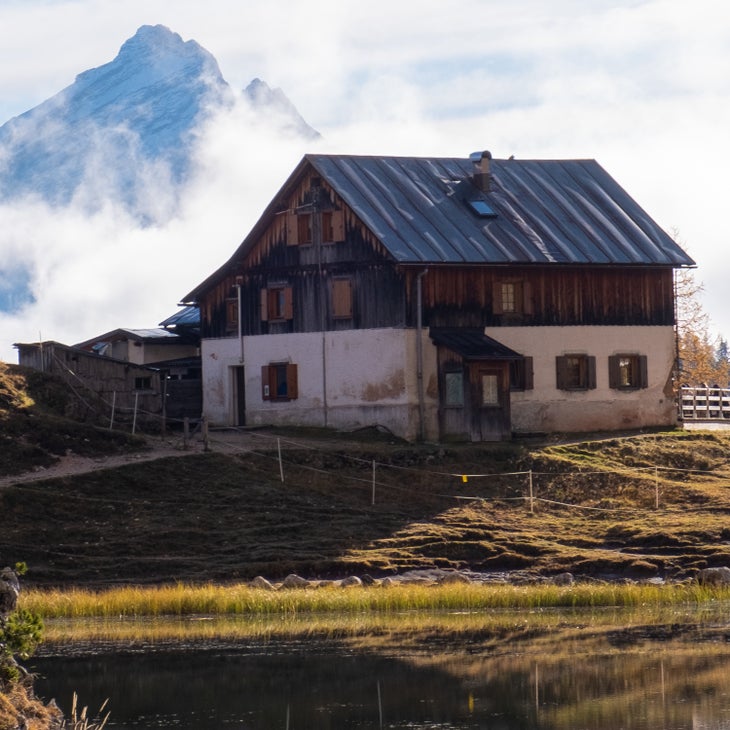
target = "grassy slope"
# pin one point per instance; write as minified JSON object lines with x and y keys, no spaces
{"x":225,"y":517}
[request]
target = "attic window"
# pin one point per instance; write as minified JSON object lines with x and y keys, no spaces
{"x":482,"y":208}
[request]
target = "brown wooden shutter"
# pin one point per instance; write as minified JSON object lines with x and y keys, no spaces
{"x":529,"y":374}
{"x":497,"y":298}
{"x":264,"y":305}
{"x":591,"y":374}
{"x":527,"y":304}
{"x":338,"y":225}
{"x":342,"y":298}
{"x":292,"y":229}
{"x":288,"y":312}
{"x":292,"y":383}
{"x":267,"y":387}
{"x":614,"y":373}
{"x":560,"y":366}
{"x":643,"y":372}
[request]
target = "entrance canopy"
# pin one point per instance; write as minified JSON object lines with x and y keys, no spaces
{"x":472,"y":344}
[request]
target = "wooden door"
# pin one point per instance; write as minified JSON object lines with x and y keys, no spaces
{"x":490,"y":401}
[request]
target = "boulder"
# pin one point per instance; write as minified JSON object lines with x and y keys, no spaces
{"x":260,"y":582}
{"x":9,"y":591}
{"x":350,"y":581}
{"x":455,"y":577}
{"x":563,"y":579}
{"x":714,"y":576}
{"x":295,"y":581}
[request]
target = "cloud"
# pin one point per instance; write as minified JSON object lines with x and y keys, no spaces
{"x":640,"y":85}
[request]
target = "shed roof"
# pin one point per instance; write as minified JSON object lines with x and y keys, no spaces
{"x":430,"y":211}
{"x":472,"y":344}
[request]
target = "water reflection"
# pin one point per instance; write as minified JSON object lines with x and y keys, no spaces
{"x":544,"y":677}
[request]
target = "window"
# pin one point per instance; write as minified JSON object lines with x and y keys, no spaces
{"x":454,"y":389}
{"x":627,"y":372}
{"x":144,"y":383}
{"x":342,"y":298}
{"x":508,"y":298}
{"x":279,"y":381}
{"x":520,"y":374}
{"x":512,"y":297}
{"x":277,"y":303}
{"x":576,"y":372}
{"x":300,"y":228}
{"x":490,"y":389}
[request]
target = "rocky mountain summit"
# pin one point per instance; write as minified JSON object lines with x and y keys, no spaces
{"x":127,"y":127}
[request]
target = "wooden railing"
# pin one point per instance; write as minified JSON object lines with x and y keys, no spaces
{"x":704,"y":404}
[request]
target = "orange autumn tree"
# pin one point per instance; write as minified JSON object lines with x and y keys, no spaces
{"x":703,"y":357}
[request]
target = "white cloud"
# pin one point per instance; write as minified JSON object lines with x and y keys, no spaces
{"x":640,"y":85}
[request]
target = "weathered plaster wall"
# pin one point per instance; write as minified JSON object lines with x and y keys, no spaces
{"x":346,"y":380}
{"x":547,"y":409}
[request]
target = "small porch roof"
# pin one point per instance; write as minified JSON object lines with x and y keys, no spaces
{"x":472,"y":344}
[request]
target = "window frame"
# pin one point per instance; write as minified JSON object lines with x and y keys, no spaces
{"x":565,"y":379}
{"x":616,"y":370}
{"x":279,"y":381}
{"x":277,"y":303}
{"x":447,"y":402}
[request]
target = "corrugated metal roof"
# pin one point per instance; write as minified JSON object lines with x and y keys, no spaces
{"x":186,"y":317}
{"x":472,"y":344}
{"x":547,"y":211}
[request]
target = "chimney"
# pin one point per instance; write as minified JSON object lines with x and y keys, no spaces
{"x":482,"y":174}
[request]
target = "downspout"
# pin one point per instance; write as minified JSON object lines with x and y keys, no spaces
{"x":419,"y":356}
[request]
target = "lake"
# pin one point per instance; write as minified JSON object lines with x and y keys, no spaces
{"x":602,"y":670}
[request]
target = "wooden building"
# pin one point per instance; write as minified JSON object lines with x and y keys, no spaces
{"x":444,"y":298}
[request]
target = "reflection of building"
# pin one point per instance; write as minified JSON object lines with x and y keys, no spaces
{"x":444,"y":298}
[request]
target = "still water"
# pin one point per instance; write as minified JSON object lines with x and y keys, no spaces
{"x":569,"y":673}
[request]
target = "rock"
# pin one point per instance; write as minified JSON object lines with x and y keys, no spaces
{"x":294,"y":581}
{"x":714,"y":576}
{"x":367,"y":580}
{"x":563,"y":579}
{"x":260,"y":582}
{"x":451,"y":578}
{"x":387,"y":582}
{"x":350,"y":581}
{"x":9,"y":591}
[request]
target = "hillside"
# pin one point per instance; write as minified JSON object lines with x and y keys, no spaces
{"x":226,"y":515}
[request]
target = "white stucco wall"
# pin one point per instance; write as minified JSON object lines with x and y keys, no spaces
{"x":346,"y":380}
{"x":547,"y":409}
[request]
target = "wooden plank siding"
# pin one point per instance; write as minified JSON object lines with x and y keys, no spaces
{"x":383,"y":292}
{"x":559,"y":296}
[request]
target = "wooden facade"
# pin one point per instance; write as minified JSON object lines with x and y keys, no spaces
{"x":311,"y":275}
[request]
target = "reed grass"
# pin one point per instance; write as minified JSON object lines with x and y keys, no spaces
{"x":241,"y":599}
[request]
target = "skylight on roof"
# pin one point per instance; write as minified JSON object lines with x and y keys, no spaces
{"x":482,"y":208}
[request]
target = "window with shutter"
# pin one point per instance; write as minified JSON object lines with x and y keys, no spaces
{"x":279,"y":381}
{"x":277,"y":303}
{"x":521,"y":374}
{"x":576,"y":372}
{"x":627,"y":372}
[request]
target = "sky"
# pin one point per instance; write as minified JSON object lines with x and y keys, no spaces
{"x":642,"y":86}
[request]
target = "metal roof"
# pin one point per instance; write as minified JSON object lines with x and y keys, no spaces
{"x":472,"y":344}
{"x":186,"y":317}
{"x":547,"y":211}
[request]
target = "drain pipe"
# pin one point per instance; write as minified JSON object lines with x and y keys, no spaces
{"x":419,"y":356}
